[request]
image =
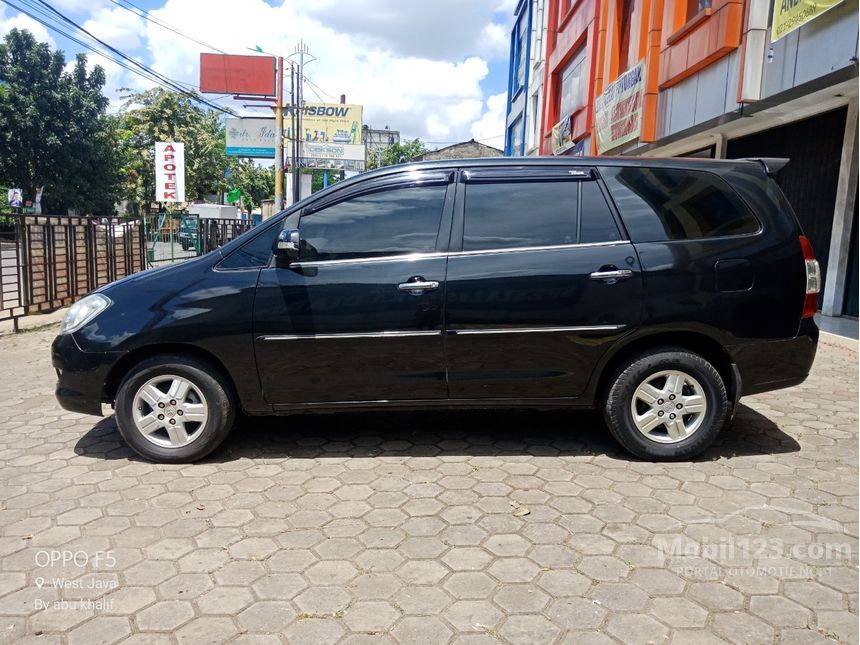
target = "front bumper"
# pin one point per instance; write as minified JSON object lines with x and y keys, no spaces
{"x":81,"y":375}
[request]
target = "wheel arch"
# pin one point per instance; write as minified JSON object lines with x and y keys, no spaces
{"x":122,"y":367}
{"x":695,"y":341}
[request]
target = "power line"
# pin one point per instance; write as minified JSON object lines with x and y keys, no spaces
{"x":49,"y":21}
{"x":170,"y":82}
{"x":72,"y":38}
{"x":143,"y":13}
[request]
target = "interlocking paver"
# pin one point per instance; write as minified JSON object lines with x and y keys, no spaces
{"x":404,"y":528}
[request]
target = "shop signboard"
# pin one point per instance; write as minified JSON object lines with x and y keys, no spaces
{"x":618,"y":110}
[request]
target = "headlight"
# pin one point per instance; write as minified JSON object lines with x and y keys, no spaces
{"x":83,"y":311}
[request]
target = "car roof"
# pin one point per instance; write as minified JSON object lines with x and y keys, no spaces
{"x":688,"y":163}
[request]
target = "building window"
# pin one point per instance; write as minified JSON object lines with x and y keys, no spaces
{"x":518,"y":53}
{"x":515,"y":137}
{"x":565,"y":7}
{"x":625,"y":15}
{"x":694,"y":7}
{"x":534,"y":129}
{"x":572,"y":84}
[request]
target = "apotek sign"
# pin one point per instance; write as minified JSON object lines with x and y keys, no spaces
{"x":618,"y":110}
{"x":169,"y":171}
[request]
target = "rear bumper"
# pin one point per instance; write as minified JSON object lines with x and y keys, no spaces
{"x":776,"y":364}
{"x":80,"y":375}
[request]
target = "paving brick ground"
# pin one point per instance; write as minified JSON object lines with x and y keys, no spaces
{"x":429,"y":528}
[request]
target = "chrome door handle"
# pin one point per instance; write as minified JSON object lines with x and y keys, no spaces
{"x":418,"y":287}
{"x":617,"y":274}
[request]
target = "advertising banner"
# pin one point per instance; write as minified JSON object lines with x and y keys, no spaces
{"x":231,"y":74}
{"x":618,"y":110}
{"x":169,"y":171}
{"x":561,"y":136}
{"x":251,"y":137}
{"x":328,"y":123}
{"x":346,"y":156}
{"x":789,"y":15}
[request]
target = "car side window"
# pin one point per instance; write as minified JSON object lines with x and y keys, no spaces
{"x":518,"y":214}
{"x":658,"y":204}
{"x":255,"y":253}
{"x":596,"y":221}
{"x":396,"y":221}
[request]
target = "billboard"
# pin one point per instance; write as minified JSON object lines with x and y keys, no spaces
{"x":328,"y":123}
{"x":338,"y":156}
{"x":251,"y":137}
{"x":618,"y":110}
{"x":789,"y":15}
{"x":169,"y":171}
{"x":228,"y":74}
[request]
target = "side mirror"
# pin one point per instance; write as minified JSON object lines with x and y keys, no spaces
{"x":287,"y":245}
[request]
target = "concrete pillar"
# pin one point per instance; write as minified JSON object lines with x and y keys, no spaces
{"x":843,"y":213}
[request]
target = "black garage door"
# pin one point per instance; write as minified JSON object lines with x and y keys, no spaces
{"x":814,"y":146}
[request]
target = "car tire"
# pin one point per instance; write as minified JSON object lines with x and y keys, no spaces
{"x":190,"y":392}
{"x":668,"y":404}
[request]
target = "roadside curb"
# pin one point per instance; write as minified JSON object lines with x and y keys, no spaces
{"x":29,"y":323}
{"x":838,"y":341}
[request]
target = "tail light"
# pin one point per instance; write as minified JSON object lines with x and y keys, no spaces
{"x":813,"y":278}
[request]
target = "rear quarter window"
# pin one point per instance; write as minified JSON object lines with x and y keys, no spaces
{"x":659,"y":204}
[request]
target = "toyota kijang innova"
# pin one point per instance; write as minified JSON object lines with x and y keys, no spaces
{"x":657,"y":290}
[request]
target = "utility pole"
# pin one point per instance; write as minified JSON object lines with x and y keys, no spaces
{"x":279,"y":137}
{"x":298,"y":103}
{"x":343,"y":102}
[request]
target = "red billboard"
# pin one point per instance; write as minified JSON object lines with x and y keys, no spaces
{"x":227,"y":74}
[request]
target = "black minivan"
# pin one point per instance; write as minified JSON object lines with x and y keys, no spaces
{"x":660,"y":290}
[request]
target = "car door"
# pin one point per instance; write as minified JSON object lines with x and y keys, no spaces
{"x":359,"y":316}
{"x":540,"y":282}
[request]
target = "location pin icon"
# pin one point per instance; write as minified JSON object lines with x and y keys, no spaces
{"x":40,"y":582}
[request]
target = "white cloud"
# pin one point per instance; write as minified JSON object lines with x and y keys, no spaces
{"x":437,"y":29}
{"x":412,"y":66}
{"x":117,"y":27}
{"x":20,"y":21}
{"x":490,"y":129}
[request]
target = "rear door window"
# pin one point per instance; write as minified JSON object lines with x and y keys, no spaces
{"x":659,"y":204}
{"x":537,"y":212}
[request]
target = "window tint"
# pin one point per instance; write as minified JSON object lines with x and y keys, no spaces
{"x":597,"y":223}
{"x":667,"y":204}
{"x":256,"y":252}
{"x":517,"y":214}
{"x":391,"y":222}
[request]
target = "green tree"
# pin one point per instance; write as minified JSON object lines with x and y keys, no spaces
{"x":256,"y":182}
{"x":163,"y":115}
{"x":397,"y":153}
{"x":54,"y":131}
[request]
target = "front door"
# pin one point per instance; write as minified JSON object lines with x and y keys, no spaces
{"x":541,"y":283}
{"x":359,"y":316}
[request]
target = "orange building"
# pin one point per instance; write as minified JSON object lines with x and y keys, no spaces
{"x":720,"y":79}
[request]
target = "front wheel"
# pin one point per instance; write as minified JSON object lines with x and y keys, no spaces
{"x":668,"y":404}
{"x":174,"y":409}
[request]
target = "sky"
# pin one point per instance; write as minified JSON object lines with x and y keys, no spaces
{"x":433,"y":69}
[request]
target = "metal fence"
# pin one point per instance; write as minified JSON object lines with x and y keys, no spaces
{"x":49,"y":261}
{"x":171,"y":237}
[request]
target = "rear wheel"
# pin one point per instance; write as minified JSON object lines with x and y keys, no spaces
{"x":668,"y":404}
{"x":174,"y":409}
